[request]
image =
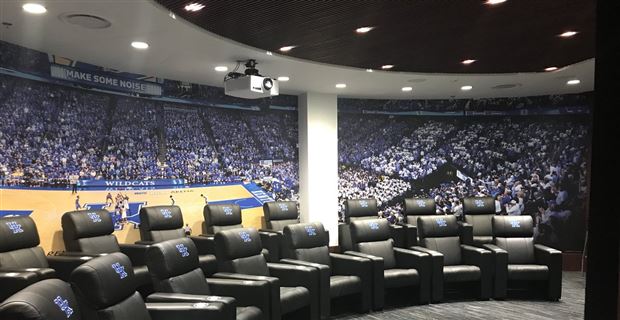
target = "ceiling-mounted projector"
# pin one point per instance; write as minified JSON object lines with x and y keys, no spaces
{"x":250,"y":84}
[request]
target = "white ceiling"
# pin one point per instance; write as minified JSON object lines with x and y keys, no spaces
{"x":179,"y":50}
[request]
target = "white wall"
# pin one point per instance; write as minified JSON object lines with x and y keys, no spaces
{"x":318,"y":161}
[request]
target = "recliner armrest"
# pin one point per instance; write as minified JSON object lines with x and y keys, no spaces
{"x":204,"y":244}
{"x":378,"y":281}
{"x":190,"y":311}
{"x":476,"y":256}
{"x":397,"y":232}
{"x":14,"y":281}
{"x":320,"y":296}
{"x":64,"y":265}
{"x":552,"y":258}
{"x":246,"y":292}
{"x":436,"y":272}
{"x":500,"y":272}
{"x":466,"y":233}
{"x":271,"y":242}
{"x":422,"y":262}
{"x":411,"y":234}
{"x":274,"y":311}
{"x":135,"y":252}
{"x":349,"y":265}
{"x":294,"y":276}
{"x":547,"y":256}
{"x":181,"y":297}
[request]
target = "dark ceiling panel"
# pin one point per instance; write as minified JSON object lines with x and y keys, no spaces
{"x":413,"y":35}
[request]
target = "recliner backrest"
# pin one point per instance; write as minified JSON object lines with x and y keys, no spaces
{"x":89,"y":232}
{"x":479,"y":212}
{"x":307,"y":242}
{"x":415,"y":207}
{"x":279,"y":214}
{"x":515,"y":234}
{"x":19,"y":247}
{"x":161,"y":223}
{"x":50,"y":299}
{"x":240,"y":251}
{"x":360,"y":209}
{"x":106,"y":289}
{"x":373,"y":237}
{"x":441,"y":233}
{"x":174,"y":267}
{"x":219,"y":217}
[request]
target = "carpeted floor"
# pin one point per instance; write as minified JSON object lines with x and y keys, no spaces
{"x":570,"y":307}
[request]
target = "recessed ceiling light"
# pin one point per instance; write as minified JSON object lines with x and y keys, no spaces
{"x":221,"y":68}
{"x":269,"y":53}
{"x":368,"y":70}
{"x":34,"y":8}
{"x":551,"y":68}
{"x":568,"y":34}
{"x":466,"y":88}
{"x":573,"y":82}
{"x":495,"y":1}
{"x":363,"y":29}
{"x":287,"y":48}
{"x":468,"y":61}
{"x":387,"y":66}
{"x":406,"y":89}
{"x":193,"y":7}
{"x":140,"y":45}
{"x":283,"y":78}
{"x":341,"y":85}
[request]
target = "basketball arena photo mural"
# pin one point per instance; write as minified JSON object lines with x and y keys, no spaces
{"x":530,"y":154}
{"x":80,"y":137}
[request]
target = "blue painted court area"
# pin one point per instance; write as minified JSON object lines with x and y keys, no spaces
{"x":243,"y":203}
{"x":4,"y":213}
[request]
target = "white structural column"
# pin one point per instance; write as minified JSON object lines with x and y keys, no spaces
{"x":318,"y":161}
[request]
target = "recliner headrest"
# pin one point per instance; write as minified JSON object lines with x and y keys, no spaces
{"x":479,"y":205}
{"x":419,"y":207}
{"x":161,"y":218}
{"x":237,"y":243}
{"x":50,"y":299}
{"x":104,"y":281}
{"x":18,"y":233}
{"x":86,"y":224}
{"x":172,"y":258}
{"x":280,"y":210}
{"x":438,"y":226}
{"x":513,"y":226}
{"x":306,"y":235}
{"x":360,"y":208}
{"x":370,"y":230}
{"x":222,"y":214}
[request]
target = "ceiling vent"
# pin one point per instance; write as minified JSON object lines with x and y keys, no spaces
{"x":87,"y":21}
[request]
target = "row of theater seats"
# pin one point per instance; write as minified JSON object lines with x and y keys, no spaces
{"x":239,"y":264}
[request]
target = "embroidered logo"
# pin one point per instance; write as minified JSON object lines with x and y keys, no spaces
{"x":364,"y":204}
{"x":63,"y":304}
{"x":311,"y":231}
{"x":15,"y":227}
{"x":515,"y":224}
{"x":441,"y":222}
{"x":421,"y":203}
{"x":373,"y":225}
{"x":228,"y":211}
{"x":283,"y":206}
{"x":479,"y":203}
{"x":245,"y":236}
{"x":94,"y":217}
{"x":166,"y":213}
{"x":182,"y":250}
{"x":120,"y":270}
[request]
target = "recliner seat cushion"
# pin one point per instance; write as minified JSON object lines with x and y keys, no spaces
{"x":344,"y":285}
{"x":396,"y":278}
{"x":461,"y":273}
{"x":528,"y":272}
{"x":520,"y":250}
{"x":293,"y":298}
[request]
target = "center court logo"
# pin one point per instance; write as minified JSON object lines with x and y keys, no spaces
{"x":421,"y":203}
{"x":364,"y":204}
{"x":182,"y":250}
{"x":515,"y":224}
{"x":228,"y":211}
{"x":166,"y":213}
{"x":94,"y":217}
{"x":373,"y":225}
{"x":15,"y":227}
{"x":479,"y":203}
{"x":245,"y":236}
{"x":120,"y":270}
{"x":63,"y":305}
{"x":310,"y":230}
{"x":441,"y":222}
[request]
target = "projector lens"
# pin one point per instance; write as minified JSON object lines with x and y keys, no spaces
{"x":267,"y":84}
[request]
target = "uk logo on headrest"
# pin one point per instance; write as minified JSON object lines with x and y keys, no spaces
{"x":311,"y":231}
{"x":245,"y":236}
{"x":373,"y":225}
{"x":228,"y":211}
{"x":364,"y":204}
{"x":120,"y":270}
{"x":283,"y":206}
{"x":182,"y":250}
{"x":166,"y":213}
{"x":15,"y":227}
{"x":479,"y":203}
{"x":94,"y":217}
{"x":515,"y":223}
{"x":421,"y":203}
{"x":63,"y":304}
{"x":441,"y":222}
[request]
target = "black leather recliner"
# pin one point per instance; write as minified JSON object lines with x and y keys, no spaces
{"x":161,"y":223}
{"x":23,"y":262}
{"x":412,"y":209}
{"x":91,"y":233}
{"x":175,"y":269}
{"x":276,"y":216}
{"x":519,"y":260}
{"x":50,"y":299}
{"x":479,"y":212}
{"x":105,"y":289}
{"x":341,"y":275}
{"x":365,"y":209}
{"x":392,"y":267}
{"x":292,"y":288}
{"x":453,"y":262}
{"x":220,"y":217}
